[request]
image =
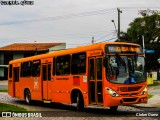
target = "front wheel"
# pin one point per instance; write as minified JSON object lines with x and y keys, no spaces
{"x":80,"y":102}
{"x":28,"y":97}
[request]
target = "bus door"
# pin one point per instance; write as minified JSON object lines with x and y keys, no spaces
{"x":95,"y":80}
{"x":16,"y":81}
{"x":46,"y":79}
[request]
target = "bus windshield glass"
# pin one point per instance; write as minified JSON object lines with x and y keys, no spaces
{"x":125,"y":69}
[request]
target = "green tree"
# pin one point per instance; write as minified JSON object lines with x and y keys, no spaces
{"x":148,"y":25}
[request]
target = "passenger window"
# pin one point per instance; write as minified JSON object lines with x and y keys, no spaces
{"x":26,"y":69}
{"x":79,"y":63}
{"x":36,"y":68}
{"x":63,"y":65}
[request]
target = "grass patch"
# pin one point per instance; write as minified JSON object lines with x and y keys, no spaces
{"x":150,"y":96}
{"x":3,"y":89}
{"x":11,"y":108}
{"x":154,"y":84}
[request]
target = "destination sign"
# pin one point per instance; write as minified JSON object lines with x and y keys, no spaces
{"x":149,"y":51}
{"x":123,"y":49}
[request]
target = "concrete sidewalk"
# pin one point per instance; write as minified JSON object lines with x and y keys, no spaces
{"x":3,"y":82}
{"x":152,"y":102}
{"x":155,"y":100}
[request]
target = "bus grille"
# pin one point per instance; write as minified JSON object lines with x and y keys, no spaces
{"x":129,"y":99}
{"x":130,"y":89}
{"x":129,"y":94}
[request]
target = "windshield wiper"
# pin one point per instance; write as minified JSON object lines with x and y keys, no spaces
{"x":120,"y":60}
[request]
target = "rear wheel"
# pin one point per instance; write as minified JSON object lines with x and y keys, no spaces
{"x":28,"y":97}
{"x":113,"y":108}
{"x":80,"y":102}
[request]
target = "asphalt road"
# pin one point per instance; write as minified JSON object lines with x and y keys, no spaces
{"x":61,"y":110}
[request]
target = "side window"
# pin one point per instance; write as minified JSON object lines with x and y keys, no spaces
{"x":16,"y":74}
{"x":49,"y":71}
{"x":91,"y":69}
{"x":99,"y":68}
{"x":44,"y":70}
{"x":26,"y":69}
{"x":10,"y":71}
{"x":54,"y":65}
{"x":36,"y":68}
{"x":79,"y":63}
{"x":63,"y":65}
{"x":21,"y":74}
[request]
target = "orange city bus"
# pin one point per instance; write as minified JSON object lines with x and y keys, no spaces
{"x":105,"y":74}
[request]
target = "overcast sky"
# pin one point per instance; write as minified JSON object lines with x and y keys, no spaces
{"x":72,"y":21}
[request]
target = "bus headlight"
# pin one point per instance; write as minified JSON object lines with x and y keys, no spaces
{"x":144,"y":91}
{"x":112,"y":92}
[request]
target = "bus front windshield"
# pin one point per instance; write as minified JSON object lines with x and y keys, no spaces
{"x":125,"y":69}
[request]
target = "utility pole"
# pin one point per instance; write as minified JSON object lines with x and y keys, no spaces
{"x":92,"y":40}
{"x":119,"y":11}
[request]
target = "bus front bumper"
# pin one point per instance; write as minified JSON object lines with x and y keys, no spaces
{"x":129,"y":100}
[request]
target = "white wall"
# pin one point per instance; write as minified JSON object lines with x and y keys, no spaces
{"x":58,"y":47}
{"x":1,"y":63}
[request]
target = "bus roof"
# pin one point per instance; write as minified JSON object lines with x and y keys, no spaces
{"x":95,"y":46}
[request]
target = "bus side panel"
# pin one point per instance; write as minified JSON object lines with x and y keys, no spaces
{"x":34,"y":86}
{"x":49,"y":90}
{"x":24,"y":84}
{"x":17,"y":90}
{"x":84,"y":88}
{"x":11,"y":90}
{"x":61,"y":89}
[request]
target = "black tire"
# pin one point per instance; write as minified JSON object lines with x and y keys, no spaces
{"x":113,"y":109}
{"x":80,"y":102}
{"x":28,"y":97}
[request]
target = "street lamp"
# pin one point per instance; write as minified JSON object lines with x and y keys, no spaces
{"x":36,"y":48}
{"x":143,"y":44}
{"x":115,"y":27}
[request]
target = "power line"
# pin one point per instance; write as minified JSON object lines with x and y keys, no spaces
{"x":65,"y":36}
{"x":137,"y":8}
{"x":110,"y":39}
{"x":98,"y":12}
{"x":104,"y":36}
{"x":83,"y":14}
